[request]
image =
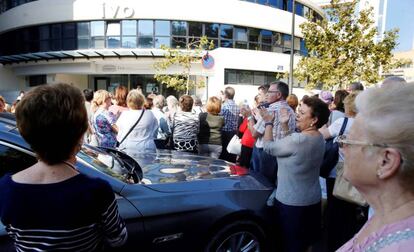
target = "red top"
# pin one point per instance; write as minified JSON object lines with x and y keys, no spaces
{"x":247,"y":139}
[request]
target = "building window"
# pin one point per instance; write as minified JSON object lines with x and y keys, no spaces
{"x":266,"y":40}
{"x":113,"y":34}
{"x":69,"y":36}
{"x":129,"y":33}
{"x":179,"y":28}
{"x":240,"y":37}
{"x":212,"y":30}
{"x":145,"y":33}
{"x":162,"y":33}
{"x":83,"y":35}
{"x":141,"y":34}
{"x":246,"y":77}
{"x":98,"y":34}
{"x":195,"y":29}
{"x":179,"y":34}
{"x":36,"y":80}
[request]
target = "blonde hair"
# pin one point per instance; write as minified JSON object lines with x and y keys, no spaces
{"x":135,"y":99}
{"x":349,"y":104}
{"x":213,"y":105}
{"x":99,"y":98}
{"x":388,"y":119}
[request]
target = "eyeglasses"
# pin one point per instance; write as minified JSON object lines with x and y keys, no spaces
{"x":273,"y":91}
{"x":342,"y":142}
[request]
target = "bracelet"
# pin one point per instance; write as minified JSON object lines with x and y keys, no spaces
{"x":268,"y":123}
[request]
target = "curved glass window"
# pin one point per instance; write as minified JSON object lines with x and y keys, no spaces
{"x":287,"y":5}
{"x":6,"y":5}
{"x":141,"y":34}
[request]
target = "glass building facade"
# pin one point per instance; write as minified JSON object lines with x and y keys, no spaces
{"x":286,"y":5}
{"x":128,"y":34}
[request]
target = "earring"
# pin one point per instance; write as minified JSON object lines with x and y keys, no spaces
{"x":379,"y":173}
{"x":311,"y":124}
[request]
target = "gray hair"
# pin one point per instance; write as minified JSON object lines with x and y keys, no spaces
{"x":197,"y":100}
{"x":393,"y":81}
{"x":159,"y":101}
{"x":388,"y":118}
{"x":172,"y":101}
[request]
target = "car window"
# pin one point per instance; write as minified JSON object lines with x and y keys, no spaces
{"x":105,"y":163}
{"x":14,"y":160}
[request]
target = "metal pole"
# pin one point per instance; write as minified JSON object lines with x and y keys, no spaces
{"x":292,"y":48}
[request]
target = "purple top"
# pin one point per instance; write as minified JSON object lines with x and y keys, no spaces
{"x":398,"y":236}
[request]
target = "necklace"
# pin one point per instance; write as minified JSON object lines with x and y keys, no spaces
{"x":70,"y":165}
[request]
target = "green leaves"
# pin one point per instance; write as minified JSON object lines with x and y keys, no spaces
{"x":181,"y":58}
{"x":343,"y":49}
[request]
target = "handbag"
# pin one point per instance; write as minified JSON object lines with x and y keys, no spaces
{"x":331,"y":156}
{"x":133,"y":126}
{"x":344,"y":190}
{"x":234,"y":146}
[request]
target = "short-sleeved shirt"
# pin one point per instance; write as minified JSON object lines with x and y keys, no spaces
{"x":141,"y":136}
{"x":278,"y":132}
{"x":102,"y":123}
{"x":77,"y":214}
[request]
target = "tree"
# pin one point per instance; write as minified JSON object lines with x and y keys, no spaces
{"x":182,"y":58}
{"x":342,"y":48}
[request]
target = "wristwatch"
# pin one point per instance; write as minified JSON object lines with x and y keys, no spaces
{"x":269,"y":123}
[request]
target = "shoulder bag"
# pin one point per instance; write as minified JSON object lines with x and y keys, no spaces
{"x":346,"y":191}
{"x":331,"y":156}
{"x":133,"y":126}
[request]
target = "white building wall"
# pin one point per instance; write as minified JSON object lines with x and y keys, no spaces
{"x":9,"y":81}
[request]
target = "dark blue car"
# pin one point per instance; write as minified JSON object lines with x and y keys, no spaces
{"x":171,"y":201}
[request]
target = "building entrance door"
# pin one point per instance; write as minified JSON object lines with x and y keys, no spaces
{"x":101,"y":83}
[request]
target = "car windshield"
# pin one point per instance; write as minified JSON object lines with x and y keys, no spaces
{"x":105,"y":162}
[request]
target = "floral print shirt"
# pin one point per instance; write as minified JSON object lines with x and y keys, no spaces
{"x":102,"y":121}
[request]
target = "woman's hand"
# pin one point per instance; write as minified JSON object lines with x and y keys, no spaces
{"x":268,"y":116}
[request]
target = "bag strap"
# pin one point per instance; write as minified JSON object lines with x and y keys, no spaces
{"x":341,"y":132}
{"x":133,"y":126}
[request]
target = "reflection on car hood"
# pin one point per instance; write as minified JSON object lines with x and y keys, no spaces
{"x":166,"y":166}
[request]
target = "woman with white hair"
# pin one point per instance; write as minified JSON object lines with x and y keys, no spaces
{"x":343,"y":218}
{"x":379,"y":162}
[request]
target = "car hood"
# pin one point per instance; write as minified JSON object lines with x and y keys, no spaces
{"x":165,"y":166}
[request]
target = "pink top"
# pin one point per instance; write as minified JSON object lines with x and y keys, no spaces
{"x":398,"y":236}
{"x":117,"y":110}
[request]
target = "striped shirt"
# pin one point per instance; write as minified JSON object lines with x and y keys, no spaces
{"x":185,"y":126}
{"x":78,"y":214}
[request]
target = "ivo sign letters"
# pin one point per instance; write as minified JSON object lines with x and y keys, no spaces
{"x":117,"y":11}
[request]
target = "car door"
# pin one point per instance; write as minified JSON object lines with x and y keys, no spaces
{"x":14,"y":159}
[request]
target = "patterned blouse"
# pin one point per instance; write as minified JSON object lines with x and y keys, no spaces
{"x":102,"y":121}
{"x":394,"y":237}
{"x":185,"y":126}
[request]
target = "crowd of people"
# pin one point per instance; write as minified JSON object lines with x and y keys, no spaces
{"x":282,"y":139}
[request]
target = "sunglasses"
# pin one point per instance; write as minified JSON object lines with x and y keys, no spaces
{"x":343,"y":142}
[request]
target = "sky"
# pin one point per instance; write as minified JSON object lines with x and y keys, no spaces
{"x":399,"y":15}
